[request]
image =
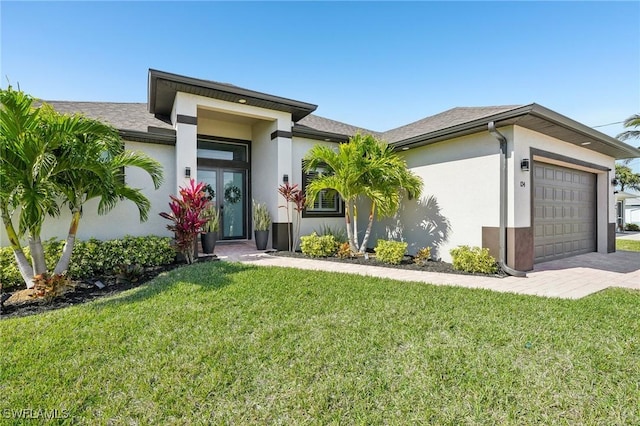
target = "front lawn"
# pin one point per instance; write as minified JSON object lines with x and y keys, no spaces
{"x":628,"y":245}
{"x":220,"y":343}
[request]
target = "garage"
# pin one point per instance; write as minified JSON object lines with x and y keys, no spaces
{"x":564,"y":212}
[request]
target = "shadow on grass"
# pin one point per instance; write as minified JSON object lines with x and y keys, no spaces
{"x":209,"y":276}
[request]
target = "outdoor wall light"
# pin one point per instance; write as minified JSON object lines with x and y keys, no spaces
{"x":524,"y":164}
{"x":285,"y":178}
{"x":187,"y":172}
{"x":614,"y":182}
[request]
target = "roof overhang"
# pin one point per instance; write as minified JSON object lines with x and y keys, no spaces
{"x":308,"y":132}
{"x":625,"y":195}
{"x":165,"y":138}
{"x":534,"y":117}
{"x":163,"y":87}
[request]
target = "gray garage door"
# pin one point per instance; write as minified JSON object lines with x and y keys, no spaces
{"x":564,"y":212}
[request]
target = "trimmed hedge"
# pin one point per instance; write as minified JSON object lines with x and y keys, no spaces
{"x":93,"y":257}
{"x":390,"y":252}
{"x":473,"y":259}
{"x":315,"y":245}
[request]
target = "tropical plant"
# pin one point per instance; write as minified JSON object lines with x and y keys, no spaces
{"x":261,"y":217}
{"x":422,"y":256}
{"x":390,"y":252}
{"x":288,"y":192}
{"x":186,"y":218}
{"x":48,"y":159}
{"x":339,"y":234}
{"x":633,"y":121}
{"x":626,"y":178}
{"x":473,"y":259}
{"x":315,"y":245}
{"x":364,"y":167}
{"x":211,"y":217}
{"x":299,"y":201}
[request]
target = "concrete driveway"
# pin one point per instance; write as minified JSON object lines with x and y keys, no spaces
{"x":570,"y":278}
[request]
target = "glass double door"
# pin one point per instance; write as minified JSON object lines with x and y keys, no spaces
{"x":228,"y":188}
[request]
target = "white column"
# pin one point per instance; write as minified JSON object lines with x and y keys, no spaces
{"x":185,"y":123}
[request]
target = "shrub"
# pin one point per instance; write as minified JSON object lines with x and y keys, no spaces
{"x":422,"y":256}
{"x":129,"y":273}
{"x":632,"y":227}
{"x":339,"y":233}
{"x":390,"y":252}
{"x":473,"y":259}
{"x":94,"y":257}
{"x":318,"y":246}
{"x":344,"y":251}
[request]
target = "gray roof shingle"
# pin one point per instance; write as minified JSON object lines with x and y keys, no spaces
{"x":332,"y":126}
{"x":134,"y":116}
{"x":121,"y":115}
{"x":443,"y":120}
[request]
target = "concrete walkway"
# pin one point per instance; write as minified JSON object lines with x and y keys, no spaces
{"x":571,"y":278}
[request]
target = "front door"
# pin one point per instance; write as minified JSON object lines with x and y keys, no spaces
{"x":229,"y":196}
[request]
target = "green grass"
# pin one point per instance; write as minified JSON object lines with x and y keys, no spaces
{"x":628,"y":245}
{"x":222,"y":343}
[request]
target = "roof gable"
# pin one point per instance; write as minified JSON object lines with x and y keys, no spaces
{"x":163,"y":87}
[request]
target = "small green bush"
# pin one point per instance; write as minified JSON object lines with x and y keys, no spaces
{"x":632,"y":227}
{"x":390,"y":252}
{"x":473,"y":259}
{"x":422,"y":256}
{"x":315,"y":245}
{"x":93,"y":257}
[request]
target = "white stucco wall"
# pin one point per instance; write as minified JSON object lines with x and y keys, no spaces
{"x":264,"y":173}
{"x":188,"y":104}
{"x":224,"y":128}
{"x":461,"y":186}
{"x":124,"y":219}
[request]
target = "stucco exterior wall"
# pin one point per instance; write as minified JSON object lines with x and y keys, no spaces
{"x":264,"y":174}
{"x":461,"y":188}
{"x":124,"y":219}
{"x":224,"y":128}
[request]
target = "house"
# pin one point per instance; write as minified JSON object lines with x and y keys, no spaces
{"x":627,"y":209}
{"x":524,"y":181}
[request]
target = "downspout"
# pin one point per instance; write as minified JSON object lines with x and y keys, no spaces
{"x":504,"y":208}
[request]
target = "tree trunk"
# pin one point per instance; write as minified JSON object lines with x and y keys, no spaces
{"x":21,"y":259}
{"x":365,"y":239}
{"x":67,"y":251}
{"x":37,"y":255}
{"x":347,"y":218}
{"x":355,"y":226}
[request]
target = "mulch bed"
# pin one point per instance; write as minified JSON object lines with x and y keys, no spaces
{"x":407,"y":263}
{"x":83,"y":291}
{"x":86,"y":290}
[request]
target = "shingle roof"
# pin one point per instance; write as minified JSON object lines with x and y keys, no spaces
{"x":322,"y":124}
{"x":122,"y":116}
{"x":443,"y":120}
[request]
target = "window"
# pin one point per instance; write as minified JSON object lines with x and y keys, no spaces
{"x":327,"y":203}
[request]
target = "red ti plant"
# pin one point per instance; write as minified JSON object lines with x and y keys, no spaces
{"x":288,"y":192}
{"x":186,"y":217}
{"x":299,"y":202}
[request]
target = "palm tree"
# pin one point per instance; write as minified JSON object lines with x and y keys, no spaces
{"x":23,"y":163}
{"x":633,"y":121}
{"x":95,"y":161}
{"x":46,"y":158}
{"x":364,"y":167}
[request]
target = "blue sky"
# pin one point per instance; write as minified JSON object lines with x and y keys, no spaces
{"x":378,"y":65}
